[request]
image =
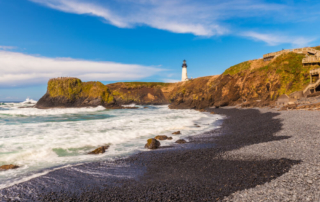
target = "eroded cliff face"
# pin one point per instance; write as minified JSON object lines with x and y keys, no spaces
{"x":72,"y":92}
{"x":251,"y":83}
{"x":141,"y":92}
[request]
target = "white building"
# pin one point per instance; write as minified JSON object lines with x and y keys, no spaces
{"x":184,"y":71}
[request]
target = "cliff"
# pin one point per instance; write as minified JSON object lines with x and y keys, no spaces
{"x":251,"y":83}
{"x":141,"y":92}
{"x":72,"y":92}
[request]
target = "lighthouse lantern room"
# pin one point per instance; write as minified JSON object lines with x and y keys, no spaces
{"x":184,"y":71}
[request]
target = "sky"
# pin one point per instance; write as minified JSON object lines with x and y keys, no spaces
{"x":141,"y":40}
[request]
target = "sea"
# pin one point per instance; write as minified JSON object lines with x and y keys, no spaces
{"x":43,"y":140}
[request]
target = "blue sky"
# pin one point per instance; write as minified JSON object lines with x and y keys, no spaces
{"x":141,"y":40}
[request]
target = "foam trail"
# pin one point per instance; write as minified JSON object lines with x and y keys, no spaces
{"x":38,"y":140}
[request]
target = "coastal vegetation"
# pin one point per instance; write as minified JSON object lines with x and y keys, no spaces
{"x":72,"y":92}
{"x":140,"y":92}
{"x":257,"y":82}
{"x":73,"y":88}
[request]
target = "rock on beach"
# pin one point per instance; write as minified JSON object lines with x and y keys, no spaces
{"x":176,"y":133}
{"x":152,"y":144}
{"x":8,"y":167}
{"x":161,"y":137}
{"x":100,"y":150}
{"x":181,"y":141}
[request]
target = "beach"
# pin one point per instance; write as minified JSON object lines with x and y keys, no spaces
{"x":256,"y":155}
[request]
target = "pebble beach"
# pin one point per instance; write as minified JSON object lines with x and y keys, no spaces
{"x":256,"y":155}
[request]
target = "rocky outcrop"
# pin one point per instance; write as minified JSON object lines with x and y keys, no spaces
{"x":252,"y":83}
{"x":181,"y":141}
{"x":72,"y":92}
{"x":100,"y":150}
{"x":176,"y":133}
{"x":8,"y":167}
{"x":141,"y":92}
{"x":163,"y":137}
{"x":152,"y":144}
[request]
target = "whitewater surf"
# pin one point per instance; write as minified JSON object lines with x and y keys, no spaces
{"x":40,"y":140}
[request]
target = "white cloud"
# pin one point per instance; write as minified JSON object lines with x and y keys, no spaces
{"x":200,"y":18}
{"x":273,"y":40}
{"x":18,"y":69}
{"x":7,"y":47}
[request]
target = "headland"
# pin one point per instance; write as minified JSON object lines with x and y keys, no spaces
{"x":258,"y":154}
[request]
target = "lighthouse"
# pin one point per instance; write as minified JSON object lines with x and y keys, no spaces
{"x":184,"y":71}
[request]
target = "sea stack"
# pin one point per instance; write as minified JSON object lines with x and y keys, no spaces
{"x":66,"y":92}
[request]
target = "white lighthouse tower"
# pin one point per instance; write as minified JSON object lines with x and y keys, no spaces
{"x":184,"y":71}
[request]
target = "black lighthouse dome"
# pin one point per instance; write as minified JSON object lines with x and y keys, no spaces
{"x":184,"y":64}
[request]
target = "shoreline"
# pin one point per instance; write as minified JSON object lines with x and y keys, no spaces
{"x":212,"y":166}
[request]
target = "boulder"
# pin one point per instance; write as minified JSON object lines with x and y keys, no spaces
{"x":212,"y":113}
{"x":181,"y":141}
{"x":152,"y":144}
{"x":100,"y":150}
{"x":169,"y":138}
{"x":176,"y":133}
{"x":8,"y":167}
{"x":161,"y":137}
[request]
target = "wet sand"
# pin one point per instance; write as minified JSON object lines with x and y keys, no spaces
{"x":257,"y":155}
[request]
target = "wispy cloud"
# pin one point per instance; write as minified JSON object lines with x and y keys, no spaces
{"x":18,"y":69}
{"x":7,"y":47}
{"x":179,"y":16}
{"x":273,"y":40}
{"x":200,"y":18}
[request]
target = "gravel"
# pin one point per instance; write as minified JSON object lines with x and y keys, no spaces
{"x":302,"y":181}
{"x":257,"y":155}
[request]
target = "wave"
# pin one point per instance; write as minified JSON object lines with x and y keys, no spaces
{"x":16,"y":111}
{"x":130,"y":105}
{"x":29,"y":101}
{"x":35,"y":144}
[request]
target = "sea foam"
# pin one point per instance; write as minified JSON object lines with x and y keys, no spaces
{"x":40,"y":140}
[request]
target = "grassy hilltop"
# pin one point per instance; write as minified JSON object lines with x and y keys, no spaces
{"x":74,"y":88}
{"x":72,"y":92}
{"x":257,"y":81}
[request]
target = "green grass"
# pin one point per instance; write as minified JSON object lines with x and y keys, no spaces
{"x":292,"y":74}
{"x":237,"y":68}
{"x":146,"y":84}
{"x":317,"y":48}
{"x":73,"y":88}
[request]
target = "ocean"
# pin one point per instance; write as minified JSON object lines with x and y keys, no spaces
{"x":43,"y":140}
